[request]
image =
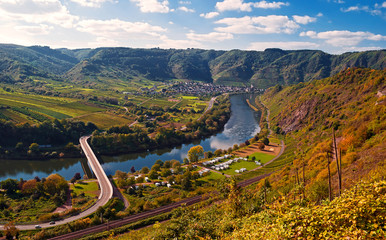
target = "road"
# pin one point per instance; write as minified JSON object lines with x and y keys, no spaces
{"x":104,"y":183}
{"x":210,"y":105}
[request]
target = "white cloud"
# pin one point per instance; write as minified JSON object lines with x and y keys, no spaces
{"x":185,"y":2}
{"x":355,"y":8}
{"x":240,"y":5}
{"x":343,"y":38}
{"x":266,"y":5}
{"x":362,"y":8}
{"x":152,"y":6}
{"x":209,"y":14}
{"x":41,"y":29}
{"x":104,"y":42}
{"x":37,"y":11}
{"x":171,"y":23}
{"x":91,"y":3}
{"x":319,"y":14}
{"x":260,"y":46}
{"x":185,"y":9}
{"x":177,"y":44}
{"x":358,"y":49}
{"x":209,"y":37}
{"x":118,"y":29}
{"x":258,"y":25}
{"x":303,"y":19}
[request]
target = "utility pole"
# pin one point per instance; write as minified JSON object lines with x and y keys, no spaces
{"x":338,"y":164}
{"x":329,"y":177}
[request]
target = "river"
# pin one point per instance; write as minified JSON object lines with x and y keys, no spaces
{"x":242,"y":125}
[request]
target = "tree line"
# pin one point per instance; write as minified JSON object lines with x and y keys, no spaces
{"x":27,"y":140}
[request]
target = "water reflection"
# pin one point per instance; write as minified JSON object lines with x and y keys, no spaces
{"x":28,"y":169}
{"x":242,"y":125}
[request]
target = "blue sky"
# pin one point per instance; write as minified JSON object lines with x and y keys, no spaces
{"x":334,"y":26}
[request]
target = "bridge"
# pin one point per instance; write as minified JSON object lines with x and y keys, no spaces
{"x":105,"y":195}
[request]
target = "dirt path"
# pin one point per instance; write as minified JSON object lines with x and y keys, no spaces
{"x":139,"y":104}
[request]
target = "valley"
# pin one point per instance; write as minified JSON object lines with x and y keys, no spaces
{"x":279,"y":124}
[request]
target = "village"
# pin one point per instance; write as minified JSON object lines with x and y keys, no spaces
{"x":197,"y":89}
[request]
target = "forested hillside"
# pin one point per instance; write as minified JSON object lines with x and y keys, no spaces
{"x":260,"y":68}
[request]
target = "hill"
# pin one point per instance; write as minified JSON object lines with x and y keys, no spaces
{"x":293,"y":202}
{"x":260,"y":68}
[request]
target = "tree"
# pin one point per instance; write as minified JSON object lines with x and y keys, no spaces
{"x":10,"y":185}
{"x":132,"y":169}
{"x":235,"y":198}
{"x":77,"y":176}
{"x":261,"y":146}
{"x":159,"y":161}
{"x":186,"y":182}
{"x":34,"y":149}
{"x":153,"y":174}
{"x":265,"y":141}
{"x":11,"y":231}
{"x":73,"y":180}
{"x":266,"y":187}
{"x":166,"y":172}
{"x":156,"y":167}
{"x":55,"y":184}
{"x":120,"y":175}
{"x":70,"y":147}
{"x":29,"y":187}
{"x":145,"y":170}
{"x":218,"y":152}
{"x":195,"y":153}
{"x":19,"y":146}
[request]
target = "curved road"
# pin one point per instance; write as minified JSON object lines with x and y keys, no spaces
{"x":104,"y":183}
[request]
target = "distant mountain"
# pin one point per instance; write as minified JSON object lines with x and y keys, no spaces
{"x":260,"y":68}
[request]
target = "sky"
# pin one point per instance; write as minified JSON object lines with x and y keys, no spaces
{"x":334,"y":26}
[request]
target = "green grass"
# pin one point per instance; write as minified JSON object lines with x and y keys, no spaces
{"x":241,"y":164}
{"x":52,"y":107}
{"x":88,"y":188}
{"x":189,"y":97}
{"x":213,"y":176}
{"x":261,"y":157}
{"x":105,"y":120}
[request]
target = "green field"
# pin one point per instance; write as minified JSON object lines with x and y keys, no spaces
{"x":27,"y":108}
{"x":189,"y":97}
{"x":261,"y":157}
{"x":213,"y":176}
{"x":241,"y":164}
{"x":105,"y":120}
{"x":90,"y":189}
